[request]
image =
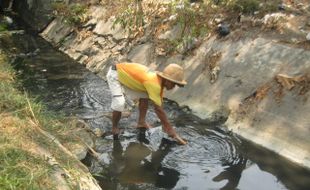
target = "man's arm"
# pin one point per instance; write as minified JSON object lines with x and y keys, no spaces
{"x":161,"y":114}
{"x":166,"y":124}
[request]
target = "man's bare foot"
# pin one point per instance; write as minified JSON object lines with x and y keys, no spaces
{"x":115,"y":133}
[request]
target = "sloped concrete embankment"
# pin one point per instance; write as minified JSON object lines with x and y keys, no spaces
{"x":263,"y":83}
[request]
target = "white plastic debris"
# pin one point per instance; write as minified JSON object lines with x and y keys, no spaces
{"x":308,"y":36}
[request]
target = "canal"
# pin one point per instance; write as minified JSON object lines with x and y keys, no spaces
{"x":213,"y":158}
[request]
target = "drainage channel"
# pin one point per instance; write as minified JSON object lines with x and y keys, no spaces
{"x":213,"y":158}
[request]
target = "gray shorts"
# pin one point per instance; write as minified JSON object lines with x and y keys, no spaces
{"x":121,"y":94}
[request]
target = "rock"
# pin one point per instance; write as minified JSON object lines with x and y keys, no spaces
{"x":187,"y":45}
{"x":294,"y":40}
{"x":6,"y":20}
{"x":300,"y":6}
{"x":172,"y":34}
{"x":98,"y":132}
{"x":223,"y":29}
{"x":270,"y":20}
{"x":36,"y":14}
{"x":141,"y":53}
{"x":218,"y":20}
{"x":214,"y":74}
{"x":104,"y":28}
{"x":172,"y":17}
{"x":281,"y":7}
{"x":220,"y":115}
{"x":244,"y":19}
{"x":57,"y":32}
{"x":85,"y":142}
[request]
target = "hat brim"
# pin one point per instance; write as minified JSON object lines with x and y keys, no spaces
{"x":179,"y":83}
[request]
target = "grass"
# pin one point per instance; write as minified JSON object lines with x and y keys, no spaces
{"x":3,"y":27}
{"x":21,"y":170}
{"x":23,"y":164}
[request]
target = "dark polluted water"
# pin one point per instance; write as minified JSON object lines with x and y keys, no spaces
{"x":213,"y":159}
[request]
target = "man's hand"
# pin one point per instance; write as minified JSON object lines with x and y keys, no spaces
{"x":171,"y":133}
{"x":167,"y":128}
{"x":180,"y":140}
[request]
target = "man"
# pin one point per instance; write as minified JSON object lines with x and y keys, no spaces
{"x":138,"y":82}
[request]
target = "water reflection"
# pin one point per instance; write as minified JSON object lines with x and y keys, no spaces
{"x":138,"y":164}
{"x":232,"y":172}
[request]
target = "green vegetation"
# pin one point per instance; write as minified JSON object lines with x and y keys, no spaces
{"x":135,"y":16}
{"x":189,"y":17}
{"x":252,"y":6}
{"x":25,"y":150}
{"x":3,"y":27}
{"x":194,"y":19}
{"x":154,"y":17}
{"x":246,"y":6}
{"x":131,"y":16}
{"x":3,"y":23}
{"x":74,"y":14}
{"x":21,"y":170}
{"x":18,"y":168}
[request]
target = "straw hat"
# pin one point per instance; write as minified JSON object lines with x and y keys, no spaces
{"x":173,"y":73}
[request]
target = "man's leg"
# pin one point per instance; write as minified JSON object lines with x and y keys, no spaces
{"x":118,"y":100}
{"x":143,"y":106}
{"x":116,"y":116}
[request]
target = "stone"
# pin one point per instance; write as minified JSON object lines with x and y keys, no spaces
{"x":281,"y":7}
{"x":35,"y":13}
{"x":141,"y":53}
{"x":56,"y":31}
{"x":104,"y":28}
{"x":172,"y":34}
{"x":99,"y":132}
{"x":223,"y":29}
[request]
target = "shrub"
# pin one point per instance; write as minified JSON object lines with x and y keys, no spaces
{"x":246,"y":6}
{"x":74,"y":14}
{"x":3,"y":27}
{"x":130,"y":15}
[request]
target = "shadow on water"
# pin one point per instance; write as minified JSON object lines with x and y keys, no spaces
{"x":139,"y":164}
{"x":213,"y":158}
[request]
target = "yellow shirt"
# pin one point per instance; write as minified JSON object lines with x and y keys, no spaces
{"x":139,"y":78}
